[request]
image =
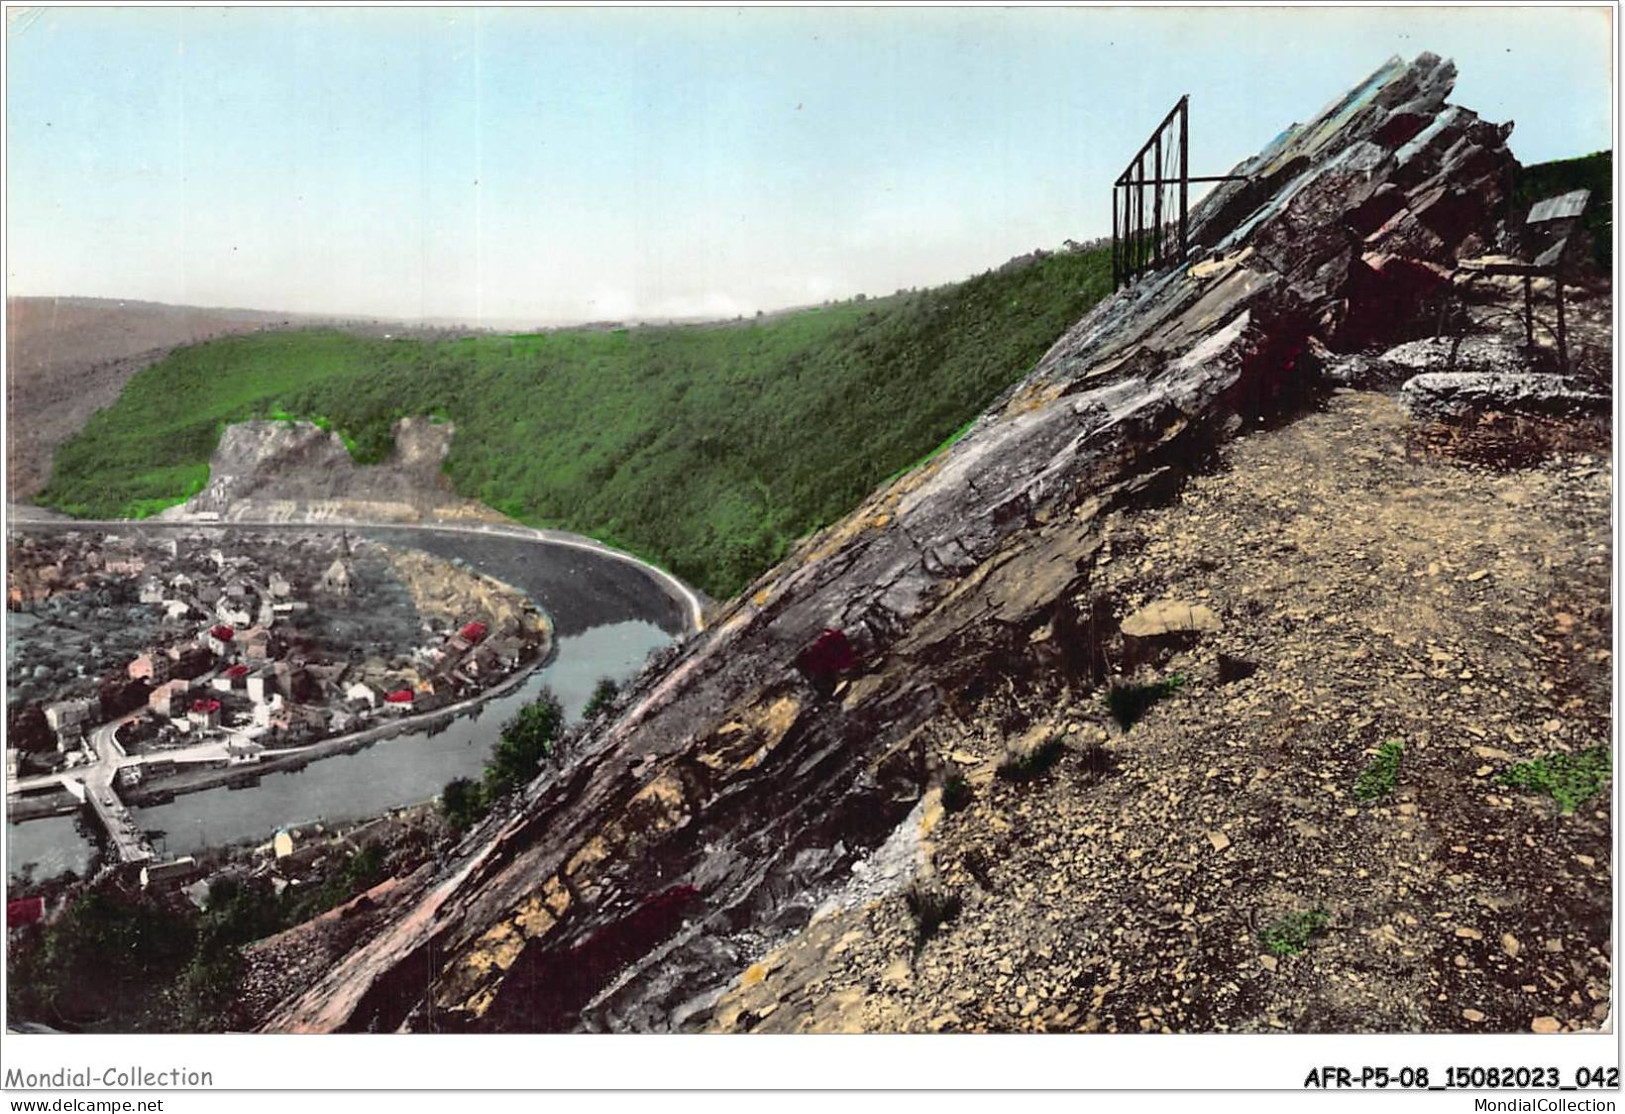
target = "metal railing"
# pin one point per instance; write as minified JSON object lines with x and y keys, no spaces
{"x":1146,"y":237}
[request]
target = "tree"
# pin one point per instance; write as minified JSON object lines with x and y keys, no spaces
{"x":27,"y":730}
{"x":108,"y":960}
{"x":120,"y":694}
{"x":462,"y":803}
{"x":603,"y":695}
{"x":203,"y":995}
{"x":526,"y":740}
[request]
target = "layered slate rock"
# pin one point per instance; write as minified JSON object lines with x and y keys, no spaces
{"x":733,"y":796}
{"x":1390,"y":370}
{"x":1446,"y":395}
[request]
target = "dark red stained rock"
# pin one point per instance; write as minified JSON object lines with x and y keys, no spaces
{"x":828,"y":657}
{"x":1377,"y":210}
{"x":1388,"y":297}
{"x":1451,"y":214}
{"x":1400,"y":128}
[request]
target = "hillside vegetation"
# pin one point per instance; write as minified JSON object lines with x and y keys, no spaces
{"x":706,"y":448}
{"x":1594,"y":172}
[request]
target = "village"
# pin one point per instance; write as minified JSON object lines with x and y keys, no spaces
{"x":213,"y":654}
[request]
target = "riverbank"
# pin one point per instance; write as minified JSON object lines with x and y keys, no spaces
{"x":348,"y":788}
{"x":33,"y":806}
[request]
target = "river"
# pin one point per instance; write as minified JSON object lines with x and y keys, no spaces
{"x":608,"y":615}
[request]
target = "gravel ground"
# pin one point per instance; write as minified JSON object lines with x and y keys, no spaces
{"x":1371,"y":589}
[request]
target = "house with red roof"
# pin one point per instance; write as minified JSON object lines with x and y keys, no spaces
{"x":233,"y":678}
{"x":204,"y":714}
{"x":220,"y":639}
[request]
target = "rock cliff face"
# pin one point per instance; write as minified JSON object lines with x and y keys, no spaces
{"x":735,"y":793}
{"x":281,"y":471}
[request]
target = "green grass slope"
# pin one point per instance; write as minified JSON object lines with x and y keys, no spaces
{"x":708,"y":449}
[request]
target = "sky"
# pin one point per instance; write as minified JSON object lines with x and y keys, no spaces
{"x":550,"y":165}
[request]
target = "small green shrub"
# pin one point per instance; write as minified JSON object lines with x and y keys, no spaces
{"x":1292,"y":933}
{"x":463,"y":803}
{"x":603,"y":696}
{"x":931,"y":909}
{"x":1127,"y":702}
{"x":1569,"y":779}
{"x":1034,"y":763}
{"x":1378,"y":778}
{"x":956,"y":793}
{"x":526,"y":741}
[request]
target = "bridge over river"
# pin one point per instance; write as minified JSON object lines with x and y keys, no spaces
{"x":93,"y":784}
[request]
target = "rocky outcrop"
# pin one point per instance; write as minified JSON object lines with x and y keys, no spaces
{"x":732,"y":797}
{"x":1479,"y":353}
{"x":1449,"y":378}
{"x":1445,"y":395}
{"x":291,"y":471}
{"x":1391,"y":369}
{"x":1368,"y":594}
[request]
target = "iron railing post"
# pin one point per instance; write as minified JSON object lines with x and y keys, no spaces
{"x":1562,"y":323}
{"x":1184,"y":174}
{"x":1156,"y":209}
{"x":1137,"y":248}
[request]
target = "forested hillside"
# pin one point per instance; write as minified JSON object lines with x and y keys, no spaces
{"x":706,"y":448}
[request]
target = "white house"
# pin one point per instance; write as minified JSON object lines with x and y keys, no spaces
{"x":172,"y":873}
{"x":267,"y":712}
{"x":220,"y":639}
{"x":204,"y":714}
{"x":67,"y":714}
{"x":362,"y":692}
{"x":233,"y":611}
